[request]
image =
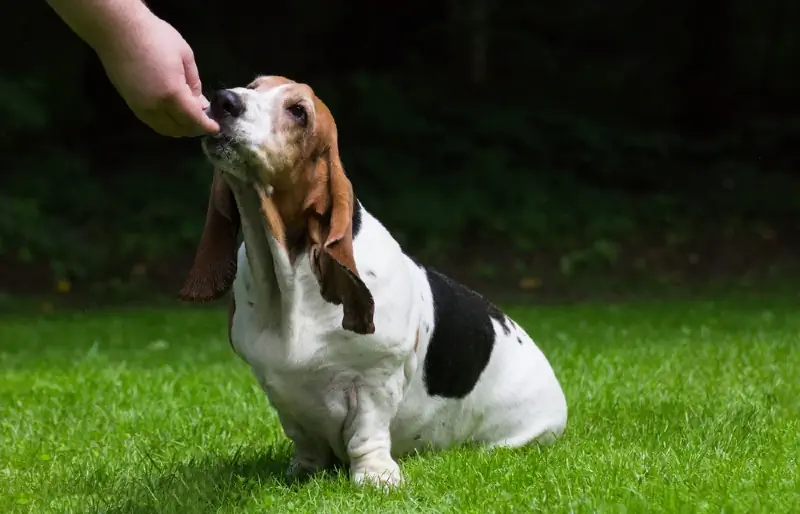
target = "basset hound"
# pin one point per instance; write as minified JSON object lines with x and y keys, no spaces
{"x":365,"y":354}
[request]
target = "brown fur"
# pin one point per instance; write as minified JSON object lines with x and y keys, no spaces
{"x":214,"y":268}
{"x":329,"y":206}
{"x":310,"y":208}
{"x":273,"y":216}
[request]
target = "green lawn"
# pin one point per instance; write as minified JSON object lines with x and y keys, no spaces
{"x":674,"y":407}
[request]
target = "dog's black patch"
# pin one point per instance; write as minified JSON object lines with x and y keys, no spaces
{"x":463,"y":337}
{"x":519,"y":339}
{"x":356,"y":221}
{"x":500,"y":317}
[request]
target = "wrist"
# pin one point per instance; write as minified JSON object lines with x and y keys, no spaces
{"x":103,"y":24}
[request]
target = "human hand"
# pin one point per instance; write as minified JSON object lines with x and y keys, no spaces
{"x":153,"y":69}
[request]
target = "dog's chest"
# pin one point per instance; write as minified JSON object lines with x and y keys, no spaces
{"x":314,"y":400}
{"x":303,"y":365}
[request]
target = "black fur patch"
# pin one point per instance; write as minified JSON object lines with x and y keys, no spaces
{"x":463,"y":337}
{"x":356,"y":217}
{"x":500,"y":317}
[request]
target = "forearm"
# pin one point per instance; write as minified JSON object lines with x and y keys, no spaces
{"x":99,"y":22}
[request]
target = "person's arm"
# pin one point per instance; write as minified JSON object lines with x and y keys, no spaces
{"x":146,"y":59}
{"x":100,"y":22}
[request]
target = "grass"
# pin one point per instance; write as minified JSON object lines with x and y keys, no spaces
{"x":674,"y":407}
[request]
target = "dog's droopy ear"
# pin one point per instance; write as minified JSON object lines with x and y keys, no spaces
{"x":214,"y":265}
{"x":329,"y":207}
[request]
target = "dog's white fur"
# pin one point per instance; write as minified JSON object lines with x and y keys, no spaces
{"x":363,"y":398}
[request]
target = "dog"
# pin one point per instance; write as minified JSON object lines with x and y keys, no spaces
{"x":365,"y":354}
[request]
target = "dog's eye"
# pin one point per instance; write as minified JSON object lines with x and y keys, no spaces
{"x":299,"y":113}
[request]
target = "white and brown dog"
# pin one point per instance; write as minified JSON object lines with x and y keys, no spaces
{"x":365,"y":354}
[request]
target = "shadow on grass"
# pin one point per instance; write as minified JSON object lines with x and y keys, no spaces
{"x":202,"y":485}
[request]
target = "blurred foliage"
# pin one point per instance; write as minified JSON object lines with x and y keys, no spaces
{"x":568,"y":126}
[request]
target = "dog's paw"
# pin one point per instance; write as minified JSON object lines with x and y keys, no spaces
{"x":385,"y":477}
{"x":300,"y":468}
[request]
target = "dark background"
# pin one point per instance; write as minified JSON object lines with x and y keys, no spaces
{"x":544,"y":149}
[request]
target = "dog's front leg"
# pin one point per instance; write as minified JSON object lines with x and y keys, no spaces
{"x":311,"y":454}
{"x":366,"y":434}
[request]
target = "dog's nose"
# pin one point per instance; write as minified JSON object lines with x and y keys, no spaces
{"x":226,"y":103}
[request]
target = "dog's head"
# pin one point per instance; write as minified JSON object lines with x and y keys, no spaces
{"x":278,"y":137}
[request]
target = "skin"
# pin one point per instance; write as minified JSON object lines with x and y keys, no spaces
{"x":146,"y":59}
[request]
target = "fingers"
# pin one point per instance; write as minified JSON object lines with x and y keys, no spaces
{"x":188,"y":111}
{"x":191,"y":73}
{"x":180,"y":115}
{"x":204,"y":102}
{"x":191,"y":110}
{"x":160,"y":122}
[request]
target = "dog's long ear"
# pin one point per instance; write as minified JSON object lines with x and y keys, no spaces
{"x":214,"y":265}
{"x":329,"y":207}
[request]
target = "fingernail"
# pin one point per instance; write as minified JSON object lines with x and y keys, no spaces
{"x":204,"y":102}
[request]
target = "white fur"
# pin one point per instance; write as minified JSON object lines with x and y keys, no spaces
{"x":255,"y":131}
{"x":362,"y":398}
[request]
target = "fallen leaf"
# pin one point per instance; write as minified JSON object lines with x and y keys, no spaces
{"x":766,"y":233}
{"x":530,"y":283}
{"x":63,"y":286}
